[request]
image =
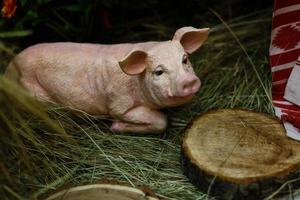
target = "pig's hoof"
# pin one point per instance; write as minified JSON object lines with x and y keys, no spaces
{"x":116,"y":126}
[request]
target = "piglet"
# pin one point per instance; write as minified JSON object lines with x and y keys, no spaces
{"x":129,"y":82}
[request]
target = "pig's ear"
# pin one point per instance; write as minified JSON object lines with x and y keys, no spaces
{"x":191,"y":38}
{"x":134,"y":63}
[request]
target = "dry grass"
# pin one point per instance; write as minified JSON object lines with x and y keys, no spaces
{"x":45,"y":146}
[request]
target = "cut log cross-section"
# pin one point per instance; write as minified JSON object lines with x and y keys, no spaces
{"x":102,"y":192}
{"x":238,"y":153}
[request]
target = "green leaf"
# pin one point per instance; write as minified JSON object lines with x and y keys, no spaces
{"x":71,"y":8}
{"x":23,"y":2}
{"x":10,"y":34}
{"x":32,"y":14}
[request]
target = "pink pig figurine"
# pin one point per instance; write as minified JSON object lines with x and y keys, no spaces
{"x":129,"y":82}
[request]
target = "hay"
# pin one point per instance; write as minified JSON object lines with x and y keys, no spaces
{"x":45,"y":146}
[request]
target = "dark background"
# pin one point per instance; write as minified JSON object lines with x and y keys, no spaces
{"x":114,"y":21}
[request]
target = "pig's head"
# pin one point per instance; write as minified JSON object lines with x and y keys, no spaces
{"x":164,"y":71}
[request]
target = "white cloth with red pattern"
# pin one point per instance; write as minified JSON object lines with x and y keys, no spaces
{"x":292,"y":90}
{"x":285,"y":60}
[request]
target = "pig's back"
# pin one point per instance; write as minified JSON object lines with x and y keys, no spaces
{"x":68,"y":72}
{"x":75,"y":74}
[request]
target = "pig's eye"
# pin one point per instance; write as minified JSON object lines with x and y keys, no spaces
{"x":185,"y":59}
{"x":158,"y":71}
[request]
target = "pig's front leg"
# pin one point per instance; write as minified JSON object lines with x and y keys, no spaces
{"x":141,"y":120}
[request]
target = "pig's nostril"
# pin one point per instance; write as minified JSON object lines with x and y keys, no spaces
{"x":190,"y":85}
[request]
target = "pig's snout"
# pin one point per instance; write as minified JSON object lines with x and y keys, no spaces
{"x":189,"y":85}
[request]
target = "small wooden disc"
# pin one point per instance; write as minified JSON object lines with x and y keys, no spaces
{"x":102,"y":192}
{"x":238,"y":149}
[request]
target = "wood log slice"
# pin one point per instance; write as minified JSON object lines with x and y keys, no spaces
{"x":238,"y":154}
{"x":103,"y":191}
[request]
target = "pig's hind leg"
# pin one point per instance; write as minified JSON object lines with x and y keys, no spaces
{"x":36,"y":89}
{"x":141,"y":120}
